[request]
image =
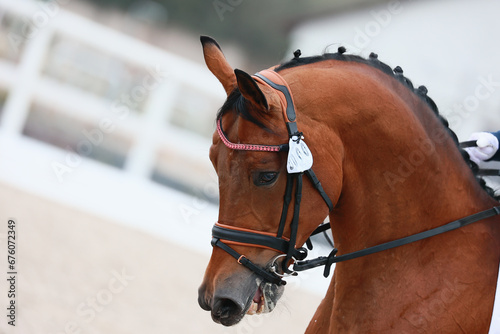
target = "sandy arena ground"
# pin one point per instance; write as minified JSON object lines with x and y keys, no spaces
{"x":81,"y":274}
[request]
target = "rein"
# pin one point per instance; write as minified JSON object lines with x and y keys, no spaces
{"x":300,"y":163}
{"x":327,"y":261}
{"x":480,"y":172}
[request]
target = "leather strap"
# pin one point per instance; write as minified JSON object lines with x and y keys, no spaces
{"x":243,"y":260}
{"x":331,"y":259}
{"x":488,"y":172}
{"x":294,"y":226}
{"x":286,"y":203}
{"x":481,"y":172}
{"x":470,"y":143}
{"x":231,"y":236}
{"x":278,"y":83}
{"x":319,"y":188}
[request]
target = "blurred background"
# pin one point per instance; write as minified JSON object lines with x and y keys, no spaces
{"x":106,"y":117}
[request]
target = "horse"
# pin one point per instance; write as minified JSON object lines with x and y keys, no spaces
{"x":386,"y":168}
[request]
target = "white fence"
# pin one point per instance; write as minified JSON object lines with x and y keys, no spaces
{"x":97,"y":93}
{"x":76,"y":90}
{"x":89,"y":117}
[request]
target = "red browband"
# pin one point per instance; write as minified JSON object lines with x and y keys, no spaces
{"x":247,"y":147}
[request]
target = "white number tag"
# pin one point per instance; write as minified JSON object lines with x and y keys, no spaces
{"x":299,"y":156}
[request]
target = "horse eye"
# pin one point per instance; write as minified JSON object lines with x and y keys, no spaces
{"x":265,"y":178}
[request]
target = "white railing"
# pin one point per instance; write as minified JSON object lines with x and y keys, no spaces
{"x":148,"y":131}
{"x":125,"y":195}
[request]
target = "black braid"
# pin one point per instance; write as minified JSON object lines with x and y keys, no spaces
{"x":398,"y":74}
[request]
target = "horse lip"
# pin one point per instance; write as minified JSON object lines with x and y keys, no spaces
{"x":266,"y":296}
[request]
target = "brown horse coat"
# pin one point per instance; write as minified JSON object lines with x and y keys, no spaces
{"x":391,"y":169}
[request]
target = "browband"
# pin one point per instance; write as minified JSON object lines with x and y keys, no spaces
{"x":248,"y":147}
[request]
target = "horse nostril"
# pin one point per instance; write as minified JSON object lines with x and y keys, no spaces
{"x":225,"y":309}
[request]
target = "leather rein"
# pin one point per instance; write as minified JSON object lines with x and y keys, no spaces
{"x":225,"y":235}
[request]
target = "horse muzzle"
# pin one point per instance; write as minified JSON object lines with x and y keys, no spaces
{"x":229,"y":305}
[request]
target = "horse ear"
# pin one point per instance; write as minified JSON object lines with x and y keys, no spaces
{"x":250,"y":90}
{"x":217,"y":63}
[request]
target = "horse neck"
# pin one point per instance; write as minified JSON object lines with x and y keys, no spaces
{"x":402,"y":173}
{"x":376,"y":128}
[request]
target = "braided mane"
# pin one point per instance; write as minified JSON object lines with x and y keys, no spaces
{"x":397,"y":73}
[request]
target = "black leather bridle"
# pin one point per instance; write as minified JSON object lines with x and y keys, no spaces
{"x":222,"y":234}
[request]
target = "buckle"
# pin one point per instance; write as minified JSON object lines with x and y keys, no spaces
{"x":240,"y":258}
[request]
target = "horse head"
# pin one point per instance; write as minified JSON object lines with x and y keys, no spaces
{"x":252,"y":184}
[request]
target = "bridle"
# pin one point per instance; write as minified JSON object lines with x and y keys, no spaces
{"x":224,"y":234}
{"x":300,"y":163}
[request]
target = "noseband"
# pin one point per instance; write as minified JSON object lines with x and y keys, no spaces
{"x":300,"y":163}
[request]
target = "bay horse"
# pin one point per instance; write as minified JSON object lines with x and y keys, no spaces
{"x":387,"y":170}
